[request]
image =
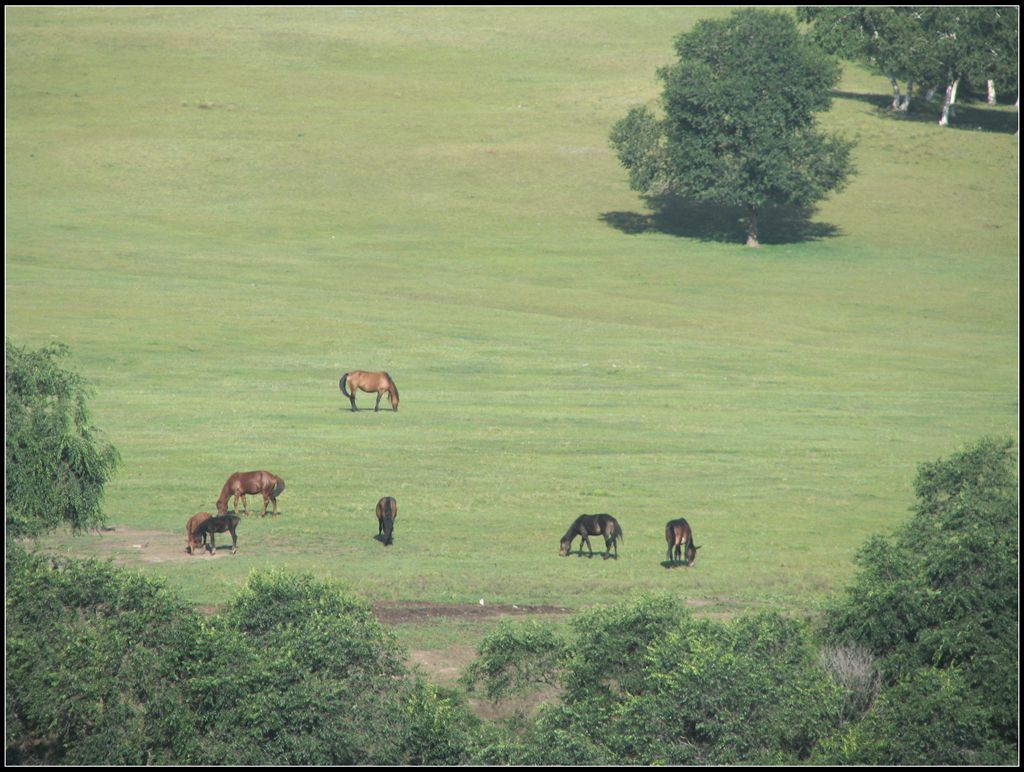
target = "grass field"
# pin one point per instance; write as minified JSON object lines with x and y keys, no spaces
{"x":222,"y":210}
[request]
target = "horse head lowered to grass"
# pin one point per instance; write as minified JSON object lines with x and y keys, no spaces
{"x":203,"y":524}
{"x":360,"y":380}
{"x":387,"y":512}
{"x":592,"y":525}
{"x":241,"y":483}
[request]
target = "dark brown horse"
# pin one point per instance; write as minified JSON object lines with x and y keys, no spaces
{"x":387,"y":512}
{"x":592,"y":525}
{"x":679,"y":536}
{"x":241,"y":483}
{"x":360,"y":380}
{"x":204,"y":524}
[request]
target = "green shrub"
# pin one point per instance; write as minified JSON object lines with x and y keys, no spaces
{"x":56,"y":462}
{"x":645,"y":683}
{"x":931,"y":717}
{"x":108,"y":667}
{"x":95,"y":658}
{"x":516,"y":658}
{"x":943,"y":591}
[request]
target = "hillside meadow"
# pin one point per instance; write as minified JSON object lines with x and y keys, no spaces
{"x":221,"y":210}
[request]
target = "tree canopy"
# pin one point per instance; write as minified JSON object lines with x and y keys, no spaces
{"x":933,"y":46}
{"x":56,"y":461}
{"x":942,"y":595}
{"x":738,"y":127}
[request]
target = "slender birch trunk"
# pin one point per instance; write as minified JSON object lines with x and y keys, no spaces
{"x":991,"y":92}
{"x":905,"y":104}
{"x":947,"y":106}
{"x":895,"y":92}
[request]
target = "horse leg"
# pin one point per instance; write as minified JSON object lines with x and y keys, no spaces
{"x":213,"y":543}
{"x":376,"y":408}
{"x":234,"y":541}
{"x":587,"y":540}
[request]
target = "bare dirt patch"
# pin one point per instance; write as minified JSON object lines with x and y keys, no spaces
{"x":156,"y":546}
{"x":396,"y":612}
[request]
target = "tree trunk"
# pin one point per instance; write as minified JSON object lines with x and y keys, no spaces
{"x":991,"y":92}
{"x":895,"y":92}
{"x":947,"y":106}
{"x":752,"y":227}
{"x":905,"y":104}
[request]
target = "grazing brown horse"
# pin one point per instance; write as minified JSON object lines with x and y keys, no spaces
{"x":387,"y":512}
{"x":360,"y":380}
{"x":592,"y":525}
{"x":679,"y":536}
{"x":202,"y":524}
{"x":241,"y":483}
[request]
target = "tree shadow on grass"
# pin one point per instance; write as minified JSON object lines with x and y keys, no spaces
{"x":678,"y":216}
{"x":969,"y":116}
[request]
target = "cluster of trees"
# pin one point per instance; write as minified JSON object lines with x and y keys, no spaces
{"x":936,"y":47}
{"x":736,"y":125}
{"x":915,"y":664}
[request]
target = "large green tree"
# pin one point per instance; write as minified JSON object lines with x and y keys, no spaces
{"x":942,"y":595}
{"x":56,"y":461}
{"x":739,"y":125}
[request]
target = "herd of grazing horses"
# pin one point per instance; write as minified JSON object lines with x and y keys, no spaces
{"x":678,"y":533}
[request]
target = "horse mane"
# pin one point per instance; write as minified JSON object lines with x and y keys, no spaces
{"x":391,"y":383}
{"x":225,"y":494}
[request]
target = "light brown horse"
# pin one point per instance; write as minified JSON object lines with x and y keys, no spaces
{"x":202,"y":524}
{"x":387,"y":513}
{"x":679,"y":536}
{"x":360,"y":380}
{"x":241,"y":483}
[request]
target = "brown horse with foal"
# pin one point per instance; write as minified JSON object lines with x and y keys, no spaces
{"x":360,"y":380}
{"x":241,"y":483}
{"x":204,"y":524}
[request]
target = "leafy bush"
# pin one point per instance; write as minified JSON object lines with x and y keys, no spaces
{"x":314,"y":679}
{"x":645,"y":683}
{"x":515,"y":658}
{"x":931,"y":716}
{"x":95,"y":657}
{"x":942,"y":593}
{"x":108,"y":667}
{"x":56,"y":462}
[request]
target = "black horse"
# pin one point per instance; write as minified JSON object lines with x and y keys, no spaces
{"x":679,"y":536}
{"x":387,"y":511}
{"x":592,"y":525}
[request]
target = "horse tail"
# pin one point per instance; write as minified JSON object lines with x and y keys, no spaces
{"x":341,"y":385}
{"x":618,"y":532}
